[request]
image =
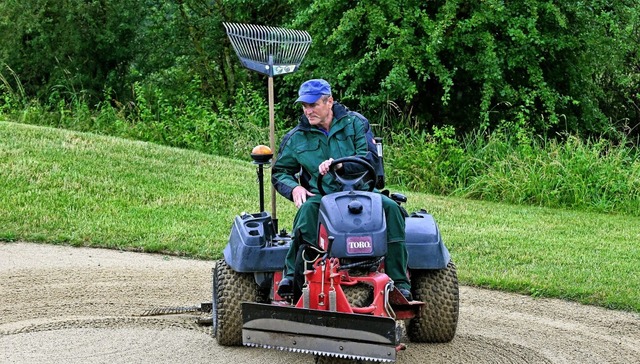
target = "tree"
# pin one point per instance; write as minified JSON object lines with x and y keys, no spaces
{"x":536,"y":64}
{"x":72,"y":48}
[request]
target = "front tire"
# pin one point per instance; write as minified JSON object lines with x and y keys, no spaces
{"x":359,"y":295}
{"x":230,"y":289}
{"x":438,"y":320}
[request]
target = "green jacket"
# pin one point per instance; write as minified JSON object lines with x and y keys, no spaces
{"x":304,"y":147}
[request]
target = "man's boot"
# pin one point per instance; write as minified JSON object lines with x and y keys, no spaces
{"x":396,"y":267}
{"x":285,"y":287}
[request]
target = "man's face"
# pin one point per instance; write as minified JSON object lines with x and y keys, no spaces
{"x":319,"y":113}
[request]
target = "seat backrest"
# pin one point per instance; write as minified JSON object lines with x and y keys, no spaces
{"x":374,"y":148}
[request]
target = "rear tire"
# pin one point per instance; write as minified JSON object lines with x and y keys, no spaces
{"x":438,"y":320}
{"x":230,"y":289}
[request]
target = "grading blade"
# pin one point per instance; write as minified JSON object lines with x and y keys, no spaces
{"x":342,"y":335}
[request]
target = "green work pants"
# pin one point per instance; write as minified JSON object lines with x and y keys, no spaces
{"x":305,"y":230}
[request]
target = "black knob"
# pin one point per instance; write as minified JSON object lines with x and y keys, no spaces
{"x":355,"y":207}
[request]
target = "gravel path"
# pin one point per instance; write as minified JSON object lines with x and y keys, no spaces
{"x":80,"y":305}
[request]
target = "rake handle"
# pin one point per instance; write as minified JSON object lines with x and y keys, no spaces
{"x":272,"y":141}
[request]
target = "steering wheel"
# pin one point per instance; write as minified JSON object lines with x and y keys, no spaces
{"x":348,"y":184}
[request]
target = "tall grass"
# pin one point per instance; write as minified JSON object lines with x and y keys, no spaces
{"x":591,"y":175}
{"x":12,"y":95}
{"x":186,"y":121}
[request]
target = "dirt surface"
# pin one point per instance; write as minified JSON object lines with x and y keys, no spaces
{"x":79,"y":305}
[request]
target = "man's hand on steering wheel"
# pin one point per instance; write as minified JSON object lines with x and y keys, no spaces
{"x":325,"y":166}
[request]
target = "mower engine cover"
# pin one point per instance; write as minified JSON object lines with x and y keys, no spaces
{"x":356,"y":221}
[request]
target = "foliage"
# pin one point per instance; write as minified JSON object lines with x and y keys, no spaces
{"x":468,"y":64}
{"x":71,"y":47}
{"x":79,"y":49}
{"x":474,"y":64}
{"x":196,"y":27}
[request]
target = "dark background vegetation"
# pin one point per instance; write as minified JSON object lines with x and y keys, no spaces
{"x":525,"y":101}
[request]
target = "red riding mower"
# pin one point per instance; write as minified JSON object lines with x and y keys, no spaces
{"x":348,"y":309}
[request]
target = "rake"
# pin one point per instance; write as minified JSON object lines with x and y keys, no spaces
{"x":271,"y":51}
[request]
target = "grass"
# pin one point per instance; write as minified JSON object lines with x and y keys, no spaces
{"x":82,"y":189}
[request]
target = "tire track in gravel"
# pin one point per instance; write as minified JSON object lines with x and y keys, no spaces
{"x":78,"y":305}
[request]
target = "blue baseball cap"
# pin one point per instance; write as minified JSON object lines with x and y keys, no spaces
{"x":312,"y":90}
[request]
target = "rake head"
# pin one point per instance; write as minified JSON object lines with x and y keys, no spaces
{"x":268,"y":50}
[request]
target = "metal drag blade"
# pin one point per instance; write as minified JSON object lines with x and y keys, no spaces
{"x":335,"y":334}
{"x":269,"y":50}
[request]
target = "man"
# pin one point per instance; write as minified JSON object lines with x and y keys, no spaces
{"x":326,"y":131}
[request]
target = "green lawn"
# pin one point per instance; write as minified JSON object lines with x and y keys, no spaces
{"x":64,"y":187}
